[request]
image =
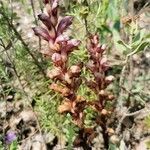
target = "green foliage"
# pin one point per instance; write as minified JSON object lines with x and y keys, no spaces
{"x":112,"y":147}
{"x":70,"y":131}
{"x":148,"y":144}
{"x":1,"y":145}
{"x":139,"y":40}
{"x":13,"y":145}
{"x":147,"y":121}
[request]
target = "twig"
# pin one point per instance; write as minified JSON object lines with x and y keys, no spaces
{"x":41,"y":6}
{"x":33,"y":9}
{"x":130,"y":81}
{"x":35,"y":19}
{"x":134,"y":113}
{"x":11,"y":20}
{"x":118,"y":129}
{"x":121,"y":82}
{"x":133,"y":94}
{"x":29,"y":136}
{"x":126,"y":114}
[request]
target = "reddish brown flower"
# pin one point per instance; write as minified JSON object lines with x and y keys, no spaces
{"x":39,"y":31}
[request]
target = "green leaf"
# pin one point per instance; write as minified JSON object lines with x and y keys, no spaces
{"x":1,"y":146}
{"x":106,"y":28}
{"x":139,"y":37}
{"x":124,"y":44}
{"x":116,"y":38}
{"x":147,"y":36}
{"x":13,"y":145}
{"x":140,"y":48}
{"x":112,"y":147}
{"x":148,"y":144}
{"x":112,"y":10}
{"x":122,"y":145}
{"x":147,"y":121}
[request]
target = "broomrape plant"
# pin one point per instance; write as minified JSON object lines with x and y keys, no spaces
{"x":67,"y":79}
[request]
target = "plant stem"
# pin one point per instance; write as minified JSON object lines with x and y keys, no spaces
{"x":104,"y":131}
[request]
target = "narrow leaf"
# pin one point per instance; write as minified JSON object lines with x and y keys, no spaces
{"x":124,"y":44}
{"x":140,"y":48}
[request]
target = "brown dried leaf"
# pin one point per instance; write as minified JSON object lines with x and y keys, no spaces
{"x":65,"y":107}
{"x":63,"y":90}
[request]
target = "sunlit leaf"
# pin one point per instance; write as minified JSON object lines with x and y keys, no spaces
{"x":124,"y":44}
{"x":140,"y":47}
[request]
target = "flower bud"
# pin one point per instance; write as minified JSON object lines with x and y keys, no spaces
{"x":110,"y":131}
{"x":48,"y":9}
{"x":39,"y":31}
{"x":104,"y":64}
{"x":109,"y":79}
{"x":54,"y":19}
{"x":62,"y":38}
{"x":95,"y":39}
{"x":90,"y":65}
{"x":103,"y":47}
{"x":111,"y":97}
{"x":102,"y":93}
{"x":66,"y":92}
{"x":54,"y":12}
{"x":100,"y":49}
{"x":104,"y":112}
{"x":103,"y":61}
{"x":64,"y":24}
{"x":80,"y":98}
{"x":57,"y":60}
{"x":47,"y":22}
{"x":73,"y":42}
{"x":75,"y":70}
{"x":67,"y":78}
{"x":64,"y":56}
{"x":54,"y":73}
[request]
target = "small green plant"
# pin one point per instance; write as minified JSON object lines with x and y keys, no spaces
{"x":148,"y":144}
{"x":14,"y":145}
{"x":147,"y":121}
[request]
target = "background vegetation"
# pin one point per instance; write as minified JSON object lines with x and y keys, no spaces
{"x":123,"y":27}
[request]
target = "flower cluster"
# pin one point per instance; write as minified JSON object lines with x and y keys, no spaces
{"x":67,"y":79}
{"x":98,"y":66}
{"x":60,"y":46}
